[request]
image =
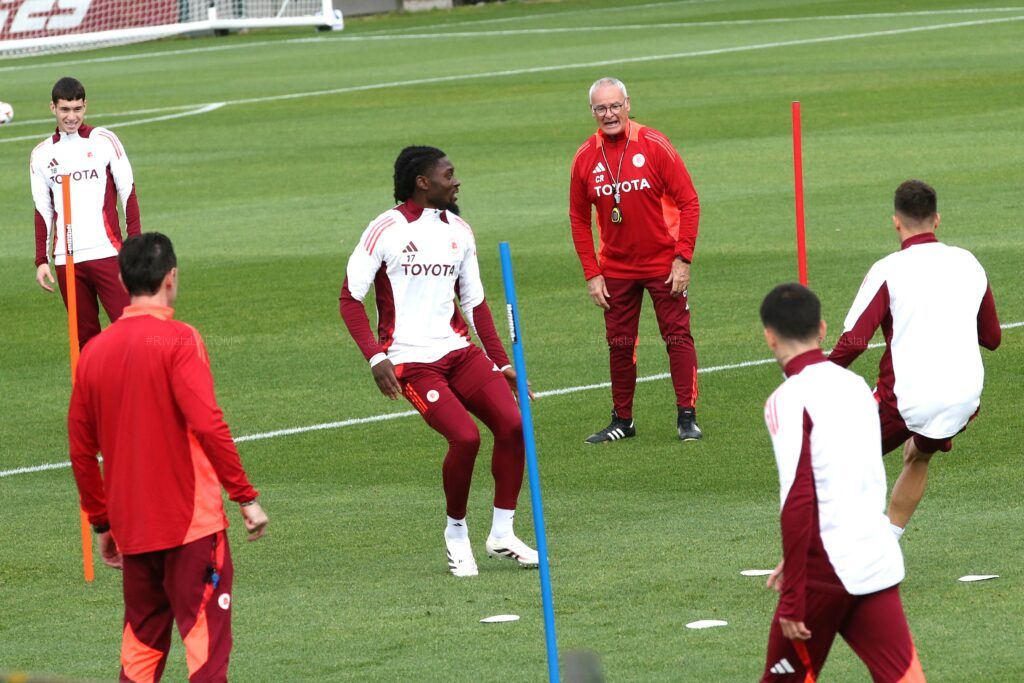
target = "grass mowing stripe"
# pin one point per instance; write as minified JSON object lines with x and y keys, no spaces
{"x":409,"y":413}
{"x":209,"y":106}
{"x":394,"y":34}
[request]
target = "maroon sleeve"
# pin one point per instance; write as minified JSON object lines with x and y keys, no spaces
{"x":580,"y":212}
{"x":354,"y":314}
{"x":854,"y":341}
{"x":797,"y":521}
{"x":41,"y":245}
{"x":990,"y":335}
{"x":133,"y":219}
{"x":84,"y":447}
{"x":192,"y":384}
{"x":488,"y":334}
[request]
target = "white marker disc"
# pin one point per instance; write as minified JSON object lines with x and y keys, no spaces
{"x":978,"y":577}
{"x":756,"y":572}
{"x":499,"y":618}
{"x":707,"y":623}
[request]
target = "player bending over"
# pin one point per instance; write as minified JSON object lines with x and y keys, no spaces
{"x":842,"y":566}
{"x":419,"y":256}
{"x":934,"y":306}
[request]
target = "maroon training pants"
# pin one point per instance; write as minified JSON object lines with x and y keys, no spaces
{"x":445,"y":392}
{"x":94,"y":279}
{"x":191,"y":585}
{"x":622,"y":323}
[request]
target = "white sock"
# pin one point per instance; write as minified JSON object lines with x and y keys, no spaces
{"x":897,"y":530}
{"x":456,"y":529}
{"x":502,"y":524}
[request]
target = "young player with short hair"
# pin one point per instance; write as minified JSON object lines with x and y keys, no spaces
{"x":144,"y":397}
{"x":934,"y":305}
{"x":100,"y":175}
{"x":841,"y":564}
{"x":419,"y":257}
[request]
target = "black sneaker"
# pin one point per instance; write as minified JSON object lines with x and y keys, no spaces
{"x":618,"y":429}
{"x":687,"y":425}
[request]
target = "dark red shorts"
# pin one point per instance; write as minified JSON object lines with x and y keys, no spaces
{"x":873,"y":625}
{"x":458,"y":375}
{"x":895,"y":433}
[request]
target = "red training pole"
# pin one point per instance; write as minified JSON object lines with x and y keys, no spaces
{"x":69,"y":280}
{"x":798,"y":183}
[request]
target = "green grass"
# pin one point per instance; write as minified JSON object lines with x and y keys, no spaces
{"x":265,"y":200}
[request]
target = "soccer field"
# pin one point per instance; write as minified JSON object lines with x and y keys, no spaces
{"x":264,"y":156}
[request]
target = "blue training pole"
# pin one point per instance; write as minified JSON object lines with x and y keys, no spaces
{"x":531,"y":460}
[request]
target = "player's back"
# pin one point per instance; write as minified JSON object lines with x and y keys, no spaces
{"x":935,"y":292}
{"x":825,"y":417}
{"x":153,"y":465}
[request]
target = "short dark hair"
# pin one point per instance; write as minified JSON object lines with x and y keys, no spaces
{"x":916,"y":200}
{"x":145,"y":260}
{"x":412,"y":162}
{"x":69,"y":89}
{"x":792,"y":311}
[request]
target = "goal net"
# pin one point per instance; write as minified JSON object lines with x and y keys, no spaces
{"x":30,"y":27}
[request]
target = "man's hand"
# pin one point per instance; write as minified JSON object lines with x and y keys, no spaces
{"x":794,"y":630}
{"x":42,"y":275}
{"x":598,"y":292}
{"x":108,"y":550}
{"x":679,"y":278}
{"x":510,"y":377}
{"x":387,"y":382}
{"x":775,"y":578}
{"x":255,"y":520}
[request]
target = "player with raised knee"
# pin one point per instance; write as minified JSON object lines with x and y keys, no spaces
{"x":419,"y":257}
{"x":841,"y":566}
{"x":934,"y":305}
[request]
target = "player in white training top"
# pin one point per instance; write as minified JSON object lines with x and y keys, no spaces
{"x":840,"y":564}
{"x":934,"y":305}
{"x":419,"y":257}
{"x":101,"y":178}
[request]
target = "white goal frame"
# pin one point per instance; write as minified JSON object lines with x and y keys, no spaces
{"x":327,"y":17}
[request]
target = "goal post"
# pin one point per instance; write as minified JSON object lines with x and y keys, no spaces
{"x":33,"y":27}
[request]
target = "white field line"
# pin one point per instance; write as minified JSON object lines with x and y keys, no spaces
{"x":639,"y":27}
{"x":202,"y":109}
{"x":384,"y":35}
{"x":653,"y":5}
{"x":136,"y":112}
{"x":409,"y":413}
{"x":561,"y":67}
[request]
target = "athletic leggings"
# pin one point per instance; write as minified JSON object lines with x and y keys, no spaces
{"x":445,"y":392}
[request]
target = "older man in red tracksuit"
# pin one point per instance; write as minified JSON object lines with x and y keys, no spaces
{"x":144,"y":396}
{"x":647,"y":216}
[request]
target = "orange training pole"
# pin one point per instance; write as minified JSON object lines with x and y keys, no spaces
{"x":798,"y":181}
{"x":69,"y":279}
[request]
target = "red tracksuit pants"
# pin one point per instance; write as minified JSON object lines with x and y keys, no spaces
{"x":191,"y":585}
{"x":622,"y":323}
{"x":874,"y":625}
{"x":94,"y":280}
{"x":445,"y":392}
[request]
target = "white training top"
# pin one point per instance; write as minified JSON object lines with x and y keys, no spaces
{"x":99,"y":171}
{"x":824,"y":417}
{"x":427,"y":260}
{"x":934,"y":293}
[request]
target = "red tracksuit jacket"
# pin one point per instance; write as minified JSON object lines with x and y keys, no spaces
{"x":659,"y":205}
{"x":144,"y":398}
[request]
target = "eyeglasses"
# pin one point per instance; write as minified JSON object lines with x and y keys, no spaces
{"x":614,"y":107}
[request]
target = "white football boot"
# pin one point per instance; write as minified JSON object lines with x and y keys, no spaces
{"x":460,"y":557}
{"x":511,"y":548}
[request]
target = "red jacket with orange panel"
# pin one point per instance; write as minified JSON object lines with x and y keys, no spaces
{"x":144,"y":398}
